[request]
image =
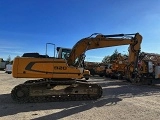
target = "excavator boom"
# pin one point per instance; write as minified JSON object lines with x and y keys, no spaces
{"x":101,"y":41}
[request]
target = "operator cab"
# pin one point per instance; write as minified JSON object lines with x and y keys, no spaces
{"x":63,"y":53}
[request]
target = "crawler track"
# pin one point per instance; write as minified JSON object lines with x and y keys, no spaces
{"x":54,"y":91}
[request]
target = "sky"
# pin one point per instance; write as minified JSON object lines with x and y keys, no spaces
{"x":27,"y":25}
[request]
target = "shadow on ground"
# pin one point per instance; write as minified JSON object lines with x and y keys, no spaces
{"x":113,"y":92}
{"x":8,"y":107}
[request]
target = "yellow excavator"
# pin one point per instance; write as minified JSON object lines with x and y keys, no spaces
{"x":118,"y":67}
{"x":149,"y":68}
{"x":59,"y":79}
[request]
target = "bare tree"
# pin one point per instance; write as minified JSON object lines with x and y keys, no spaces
{"x":9,"y":58}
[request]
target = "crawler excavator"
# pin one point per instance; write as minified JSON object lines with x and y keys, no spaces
{"x":118,"y":67}
{"x":149,"y":66}
{"x":60,"y":79}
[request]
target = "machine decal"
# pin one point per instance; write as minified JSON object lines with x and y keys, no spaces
{"x":31,"y":64}
{"x":60,"y":68}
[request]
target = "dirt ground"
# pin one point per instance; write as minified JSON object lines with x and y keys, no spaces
{"x":120,"y":101}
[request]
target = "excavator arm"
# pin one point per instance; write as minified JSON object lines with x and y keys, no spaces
{"x":101,"y":41}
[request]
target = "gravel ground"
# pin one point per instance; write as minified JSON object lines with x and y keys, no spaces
{"x":120,"y":101}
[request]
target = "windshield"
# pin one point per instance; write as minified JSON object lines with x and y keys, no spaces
{"x":65,"y":53}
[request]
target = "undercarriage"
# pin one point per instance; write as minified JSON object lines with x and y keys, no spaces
{"x":49,"y":90}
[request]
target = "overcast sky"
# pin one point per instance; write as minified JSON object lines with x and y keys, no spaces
{"x":27,"y":25}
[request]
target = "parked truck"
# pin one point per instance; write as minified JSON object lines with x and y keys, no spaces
{"x":3,"y":64}
{"x":8,"y":68}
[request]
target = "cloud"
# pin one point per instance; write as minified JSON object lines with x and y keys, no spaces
{"x":10,"y":49}
{"x":93,"y":58}
{"x":11,"y":52}
{"x":97,"y":57}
